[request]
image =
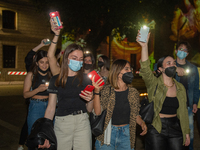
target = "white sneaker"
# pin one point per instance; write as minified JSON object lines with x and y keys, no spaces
{"x":20,"y":148}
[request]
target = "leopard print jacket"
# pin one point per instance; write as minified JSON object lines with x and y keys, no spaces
{"x":107,"y":101}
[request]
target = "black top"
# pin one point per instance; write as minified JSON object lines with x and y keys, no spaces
{"x":121,"y":112}
{"x":40,"y":80}
{"x":68,"y":97}
{"x":184,"y":80}
{"x":170,"y":106}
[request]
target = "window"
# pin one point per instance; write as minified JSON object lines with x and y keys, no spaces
{"x":9,"y":53}
{"x":8,"y":19}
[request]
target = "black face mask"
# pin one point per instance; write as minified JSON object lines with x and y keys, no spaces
{"x":170,"y":71}
{"x":100,"y":64}
{"x":88,"y":66}
{"x":40,"y":70}
{"x":127,"y":77}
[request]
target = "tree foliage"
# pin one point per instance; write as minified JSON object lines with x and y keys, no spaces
{"x":102,"y":16}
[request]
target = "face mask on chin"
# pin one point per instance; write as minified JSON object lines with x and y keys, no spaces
{"x":40,"y":70}
{"x":75,"y":65}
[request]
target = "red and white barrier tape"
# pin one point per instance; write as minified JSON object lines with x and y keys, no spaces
{"x":17,"y":72}
{"x":137,"y":72}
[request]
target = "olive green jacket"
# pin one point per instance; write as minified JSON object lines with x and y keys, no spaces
{"x":151,"y":82}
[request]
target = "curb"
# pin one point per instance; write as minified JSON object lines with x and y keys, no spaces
{"x":11,"y":82}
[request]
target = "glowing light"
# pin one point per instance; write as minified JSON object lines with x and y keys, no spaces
{"x":87,"y":52}
{"x":89,"y":75}
{"x":53,"y":14}
{"x":46,"y":83}
{"x":144,"y":27}
{"x":89,"y":29}
{"x":143,"y":94}
{"x":187,"y":70}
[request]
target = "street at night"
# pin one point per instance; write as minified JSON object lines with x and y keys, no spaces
{"x":48,"y":49}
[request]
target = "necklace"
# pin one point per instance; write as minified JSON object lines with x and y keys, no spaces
{"x":170,"y":85}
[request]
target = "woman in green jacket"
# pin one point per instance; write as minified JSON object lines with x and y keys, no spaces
{"x":170,"y":125}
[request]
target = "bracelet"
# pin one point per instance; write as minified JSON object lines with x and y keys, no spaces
{"x":57,"y":35}
{"x":96,"y":93}
{"x":53,"y":42}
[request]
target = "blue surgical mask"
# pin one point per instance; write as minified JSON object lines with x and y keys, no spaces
{"x":75,"y":65}
{"x":181,"y":54}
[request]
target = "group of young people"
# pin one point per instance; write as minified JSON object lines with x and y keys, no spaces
{"x":64,"y":101}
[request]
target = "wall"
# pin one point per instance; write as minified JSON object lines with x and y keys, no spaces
{"x":32,"y":27}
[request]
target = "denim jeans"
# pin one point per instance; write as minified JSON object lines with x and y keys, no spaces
{"x":191,"y":125}
{"x":36,"y":110}
{"x":120,"y":140}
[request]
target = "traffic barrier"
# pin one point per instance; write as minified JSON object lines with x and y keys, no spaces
{"x":17,"y":72}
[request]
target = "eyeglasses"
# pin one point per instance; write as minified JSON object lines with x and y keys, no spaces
{"x":127,"y":69}
{"x":181,"y":49}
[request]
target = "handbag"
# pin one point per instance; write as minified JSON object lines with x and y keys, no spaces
{"x":147,"y":109}
{"x":97,"y":123}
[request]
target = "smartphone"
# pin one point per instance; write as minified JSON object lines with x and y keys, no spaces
{"x":144,"y":31}
{"x":89,"y":88}
{"x":55,"y":16}
{"x":97,"y":77}
{"x":47,"y":42}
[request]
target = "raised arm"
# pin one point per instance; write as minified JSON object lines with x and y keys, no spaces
{"x":55,"y":69}
{"x":145,"y":71}
{"x":42,"y":44}
{"x":144,"y":51}
{"x":31,"y":53}
{"x":27,"y":86}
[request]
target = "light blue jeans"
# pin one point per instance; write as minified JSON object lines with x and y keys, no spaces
{"x":120,"y":139}
{"x":36,"y":110}
{"x":191,"y":125}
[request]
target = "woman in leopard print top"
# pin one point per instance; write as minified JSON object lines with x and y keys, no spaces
{"x":122,"y":105}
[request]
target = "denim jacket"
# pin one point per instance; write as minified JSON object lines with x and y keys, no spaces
{"x":193,"y":84}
